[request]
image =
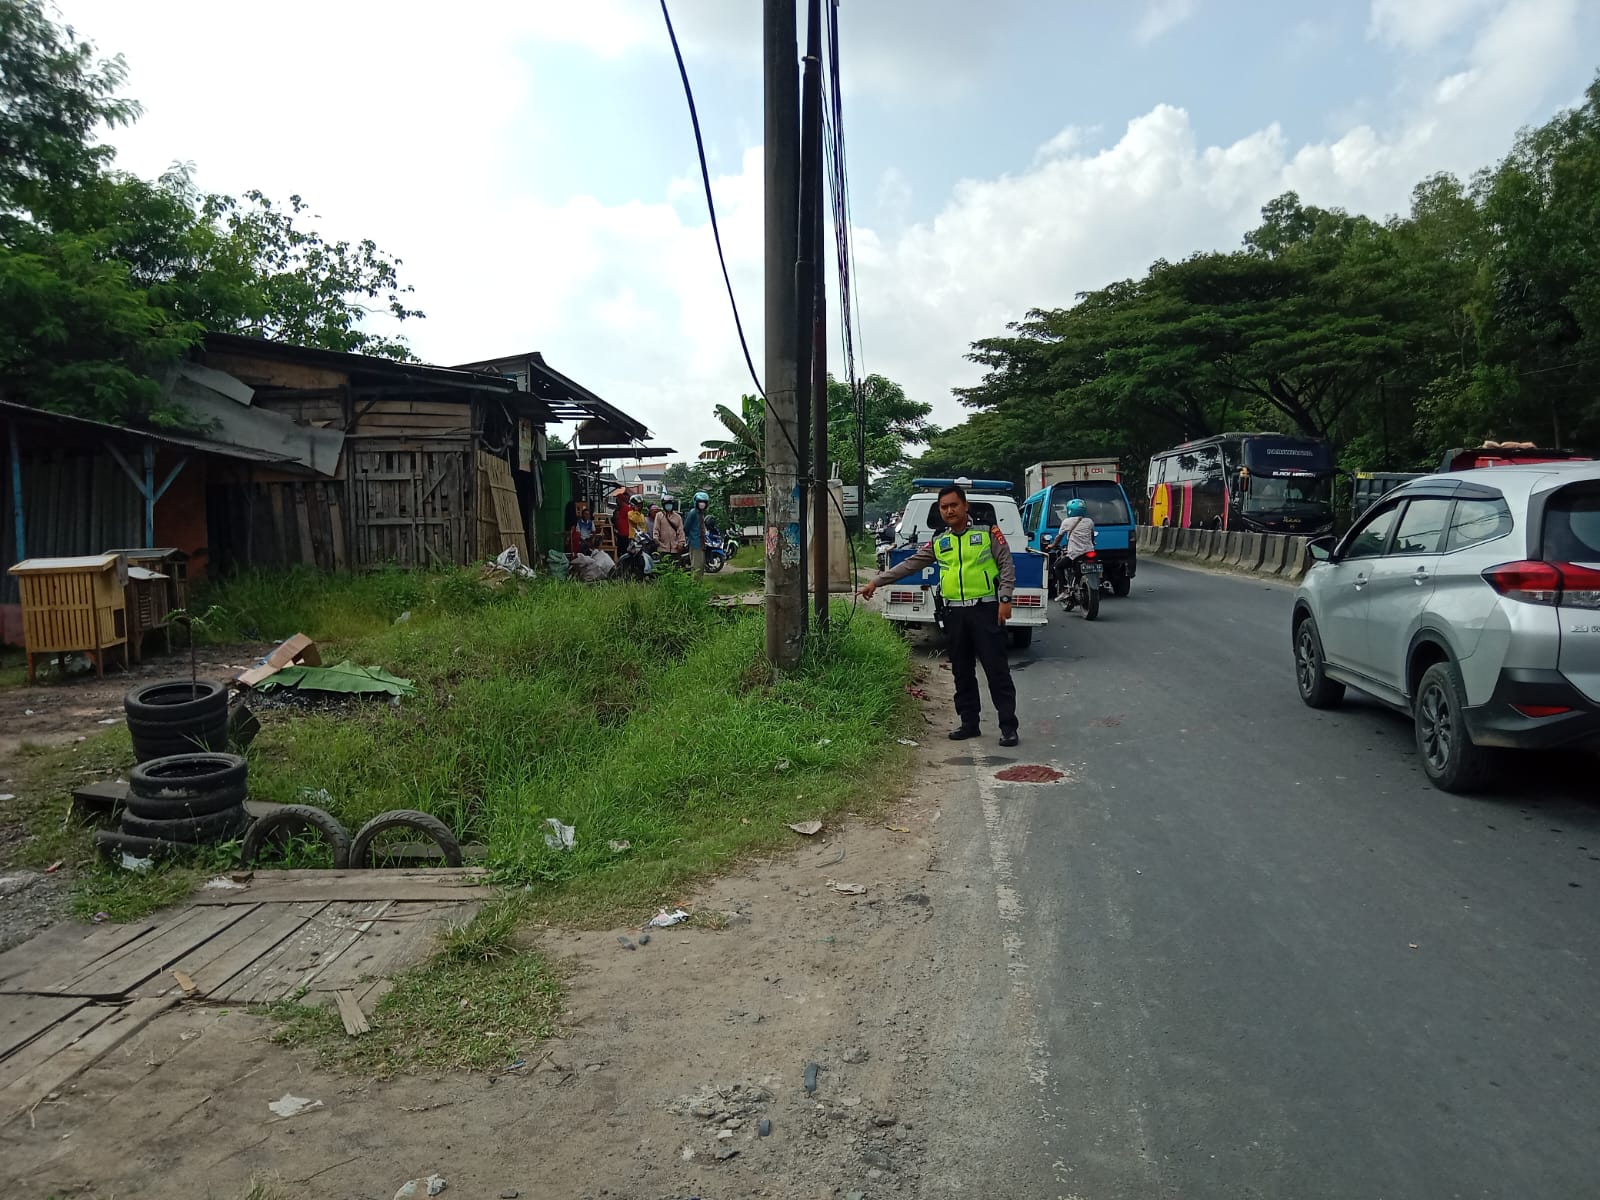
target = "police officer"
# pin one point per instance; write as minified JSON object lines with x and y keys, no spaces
{"x":976,"y":580}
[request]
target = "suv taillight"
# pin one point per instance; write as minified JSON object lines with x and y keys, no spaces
{"x":1546,"y":583}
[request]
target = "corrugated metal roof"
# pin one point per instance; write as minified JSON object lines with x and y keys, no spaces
{"x":188,"y":441}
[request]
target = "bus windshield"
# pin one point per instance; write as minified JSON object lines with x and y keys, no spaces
{"x":1304,"y":495}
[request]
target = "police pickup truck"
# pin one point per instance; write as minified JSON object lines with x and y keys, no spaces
{"x":914,"y":600}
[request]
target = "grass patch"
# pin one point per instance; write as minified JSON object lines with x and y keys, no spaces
{"x":751,"y":555}
{"x":479,"y":1004}
{"x":35,"y":825}
{"x":634,"y":713}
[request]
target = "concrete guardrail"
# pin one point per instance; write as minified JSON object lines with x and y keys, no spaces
{"x":1271,"y":555}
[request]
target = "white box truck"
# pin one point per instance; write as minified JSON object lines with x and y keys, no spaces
{"x":1070,"y":470}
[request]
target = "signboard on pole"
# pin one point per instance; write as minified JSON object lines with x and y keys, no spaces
{"x":756,"y":500}
{"x":851,"y":500}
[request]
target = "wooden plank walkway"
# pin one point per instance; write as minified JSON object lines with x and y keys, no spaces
{"x":75,"y":992}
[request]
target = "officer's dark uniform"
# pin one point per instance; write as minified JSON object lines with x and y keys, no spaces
{"x":976,"y":576}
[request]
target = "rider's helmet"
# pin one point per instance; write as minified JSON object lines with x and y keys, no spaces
{"x":635,"y":501}
{"x":1076,"y":508}
{"x":668,"y":503}
{"x":701,"y":498}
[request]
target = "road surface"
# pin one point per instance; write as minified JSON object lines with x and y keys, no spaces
{"x":1245,"y":949}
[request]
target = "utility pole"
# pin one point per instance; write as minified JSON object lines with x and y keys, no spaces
{"x":785,"y":594}
{"x":809,"y":277}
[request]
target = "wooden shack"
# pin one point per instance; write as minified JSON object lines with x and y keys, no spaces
{"x":436,"y":466}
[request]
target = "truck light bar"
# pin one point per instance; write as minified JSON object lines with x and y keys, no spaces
{"x":975,"y":485}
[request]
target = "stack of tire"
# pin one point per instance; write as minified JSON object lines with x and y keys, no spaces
{"x":178,"y":803}
{"x":177,"y":716}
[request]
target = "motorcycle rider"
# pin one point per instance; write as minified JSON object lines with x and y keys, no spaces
{"x":668,"y":531}
{"x":694,"y":528}
{"x":1072,"y":541}
{"x":636,"y":520}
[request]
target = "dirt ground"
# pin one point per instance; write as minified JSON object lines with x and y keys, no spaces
{"x":60,"y":708}
{"x":674,"y":1057}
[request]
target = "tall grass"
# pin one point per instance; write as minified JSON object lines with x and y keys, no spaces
{"x":637,"y":714}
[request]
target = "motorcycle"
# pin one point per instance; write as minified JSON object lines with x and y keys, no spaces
{"x":637,"y":563}
{"x":717,"y":553}
{"x":1085,"y":577}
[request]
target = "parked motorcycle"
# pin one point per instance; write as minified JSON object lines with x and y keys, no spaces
{"x":717,"y":553}
{"x":637,"y":563}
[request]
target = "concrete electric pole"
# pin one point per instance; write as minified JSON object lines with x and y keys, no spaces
{"x":785,"y":589}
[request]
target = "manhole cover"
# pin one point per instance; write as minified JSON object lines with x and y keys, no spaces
{"x":1030,"y":773}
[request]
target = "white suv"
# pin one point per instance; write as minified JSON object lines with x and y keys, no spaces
{"x":1471,"y":601}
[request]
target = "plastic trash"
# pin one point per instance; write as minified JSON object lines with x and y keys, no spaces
{"x":292,"y":1106}
{"x":431,"y":1186}
{"x":132,"y":863}
{"x":560,"y":837}
{"x":221,"y":884}
{"x":509,"y":560}
{"x":666,"y":920}
{"x":807,"y":828}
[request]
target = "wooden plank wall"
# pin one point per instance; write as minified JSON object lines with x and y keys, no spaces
{"x":419,"y":419}
{"x":410,"y":502}
{"x":284,"y":524}
{"x":499,"y":521}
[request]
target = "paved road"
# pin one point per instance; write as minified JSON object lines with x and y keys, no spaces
{"x":1263,"y":956}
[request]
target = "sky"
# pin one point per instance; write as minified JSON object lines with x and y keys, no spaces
{"x":533,"y":165}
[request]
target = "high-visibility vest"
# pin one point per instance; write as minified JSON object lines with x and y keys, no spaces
{"x":967,"y":569}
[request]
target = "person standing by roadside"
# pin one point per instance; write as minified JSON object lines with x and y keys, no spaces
{"x":976,"y":581}
{"x":636,"y":523}
{"x":694,"y":528}
{"x":669,"y":528}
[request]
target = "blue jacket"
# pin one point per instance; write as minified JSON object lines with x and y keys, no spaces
{"x":694,"y":528}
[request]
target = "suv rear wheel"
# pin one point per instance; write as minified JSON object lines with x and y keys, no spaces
{"x":1449,"y":758}
{"x":1310,"y":668}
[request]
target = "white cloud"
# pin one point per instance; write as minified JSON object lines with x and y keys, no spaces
{"x":1161,"y":17}
{"x":412,"y":144}
{"x":1421,"y":24}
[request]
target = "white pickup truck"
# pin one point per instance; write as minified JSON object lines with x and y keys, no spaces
{"x":914,"y":600}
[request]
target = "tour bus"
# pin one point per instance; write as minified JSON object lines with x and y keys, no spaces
{"x":1255,"y":482}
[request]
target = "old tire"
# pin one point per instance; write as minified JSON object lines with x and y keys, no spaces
{"x":198,"y":804}
{"x":434,"y":829}
{"x":144,"y":750}
{"x":180,"y":775}
{"x":1450,"y":760}
{"x":113,"y":842}
{"x":176,"y":701}
{"x":1310,"y":668}
{"x":214,"y":827}
{"x":1022,"y":638}
{"x":295,"y":818}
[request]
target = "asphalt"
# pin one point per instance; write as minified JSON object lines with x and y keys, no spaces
{"x":1263,"y":956}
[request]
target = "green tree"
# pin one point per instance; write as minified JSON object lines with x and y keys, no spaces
{"x":106,"y":278}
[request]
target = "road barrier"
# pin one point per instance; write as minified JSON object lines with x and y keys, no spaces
{"x":1272,"y":555}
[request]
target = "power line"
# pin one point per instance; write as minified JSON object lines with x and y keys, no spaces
{"x":711,"y":207}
